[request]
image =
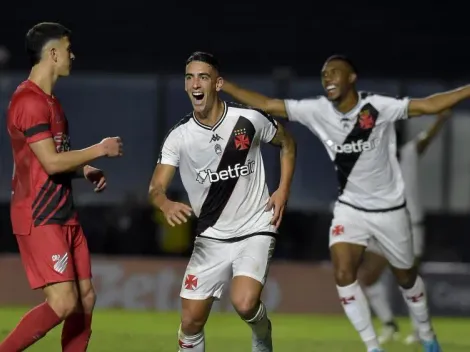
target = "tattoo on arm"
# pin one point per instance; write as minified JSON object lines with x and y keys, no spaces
{"x":279,"y":137}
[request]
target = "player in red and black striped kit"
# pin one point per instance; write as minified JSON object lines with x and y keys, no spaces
{"x":52,"y":245}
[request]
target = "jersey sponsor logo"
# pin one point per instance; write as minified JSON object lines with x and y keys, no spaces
{"x":231,"y":172}
{"x":353,"y":147}
{"x":215,"y":138}
{"x":242,"y":141}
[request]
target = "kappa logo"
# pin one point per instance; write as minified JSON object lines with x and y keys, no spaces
{"x":215,"y":138}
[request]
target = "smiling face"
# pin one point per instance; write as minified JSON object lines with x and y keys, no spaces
{"x":202,"y":83}
{"x":338,"y":79}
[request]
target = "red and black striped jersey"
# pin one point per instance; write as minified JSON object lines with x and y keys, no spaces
{"x":38,"y":198}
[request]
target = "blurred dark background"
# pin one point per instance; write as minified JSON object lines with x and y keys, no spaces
{"x":128,"y":80}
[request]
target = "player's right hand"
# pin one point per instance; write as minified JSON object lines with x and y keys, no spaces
{"x":112,"y":146}
{"x":176,"y":213}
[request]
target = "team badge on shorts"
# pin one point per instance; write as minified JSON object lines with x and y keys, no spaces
{"x":190,"y":283}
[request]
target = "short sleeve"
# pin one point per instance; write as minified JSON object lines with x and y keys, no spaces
{"x":394,"y":109}
{"x":269,"y":127}
{"x":169,"y":153}
{"x":302,"y":111}
{"x":33,"y":118}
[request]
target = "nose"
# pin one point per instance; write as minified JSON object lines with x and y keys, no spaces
{"x":72,"y":56}
{"x":196,"y":83}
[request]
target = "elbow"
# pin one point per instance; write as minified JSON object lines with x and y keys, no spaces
{"x":52,"y":169}
{"x":52,"y":165}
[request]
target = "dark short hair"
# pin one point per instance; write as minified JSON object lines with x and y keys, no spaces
{"x":40,"y":35}
{"x":344,"y":58}
{"x":204,"y":57}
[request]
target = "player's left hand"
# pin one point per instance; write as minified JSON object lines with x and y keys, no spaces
{"x":277,"y":202}
{"x":95,"y":176}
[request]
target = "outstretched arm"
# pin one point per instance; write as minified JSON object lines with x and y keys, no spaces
{"x":436,"y":103}
{"x":426,"y":137}
{"x":275,"y":107}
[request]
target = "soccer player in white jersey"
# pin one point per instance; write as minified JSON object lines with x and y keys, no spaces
{"x":374,"y":264}
{"x":358,"y":132}
{"x":217,"y":149}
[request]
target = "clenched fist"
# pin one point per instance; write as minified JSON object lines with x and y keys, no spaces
{"x":112,"y":146}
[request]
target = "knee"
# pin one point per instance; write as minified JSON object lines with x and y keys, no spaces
{"x":88,"y":300}
{"x":406,"y":278}
{"x":246,"y":305}
{"x":345,"y":276}
{"x":192,"y":323}
{"x":64,"y":303}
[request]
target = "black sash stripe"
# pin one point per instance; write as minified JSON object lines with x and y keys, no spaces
{"x":220,"y":192}
{"x":345,"y":162}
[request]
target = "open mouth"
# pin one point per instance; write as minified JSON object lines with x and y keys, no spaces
{"x":198,"y":96}
{"x":331,"y":89}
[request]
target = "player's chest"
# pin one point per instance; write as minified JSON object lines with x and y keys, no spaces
{"x":361,"y":124}
{"x":229,"y":142}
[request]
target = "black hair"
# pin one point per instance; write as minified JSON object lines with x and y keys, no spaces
{"x":40,"y":35}
{"x":204,"y":57}
{"x":343,"y":58}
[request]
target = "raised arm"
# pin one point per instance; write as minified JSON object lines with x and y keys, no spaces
{"x":31,"y":117}
{"x":436,"y":103}
{"x":275,"y":107}
{"x":426,"y":137}
{"x":71,"y":161}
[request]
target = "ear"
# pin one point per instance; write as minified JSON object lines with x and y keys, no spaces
{"x":352,"y":78}
{"x":219,"y":83}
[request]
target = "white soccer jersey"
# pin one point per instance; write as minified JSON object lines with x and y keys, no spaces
{"x":222,"y":170}
{"x":409,"y":159}
{"x":362,"y":145}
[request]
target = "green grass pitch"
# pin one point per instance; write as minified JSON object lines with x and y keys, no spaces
{"x":127,"y":331}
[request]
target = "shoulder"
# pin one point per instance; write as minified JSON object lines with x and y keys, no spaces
{"x":380,"y":100}
{"x":27,"y":98}
{"x":177,"y":129}
{"x":250,"y":112}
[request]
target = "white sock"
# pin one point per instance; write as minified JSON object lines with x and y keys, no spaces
{"x":259,"y":323}
{"x":379,"y":301}
{"x":414,"y":323}
{"x":415,"y":298}
{"x":193,"y":343}
{"x":356,"y":307}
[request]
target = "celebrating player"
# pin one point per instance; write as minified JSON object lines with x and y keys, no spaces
{"x":53,"y":248}
{"x":374,"y":264}
{"x":358,"y":133}
{"x":217,"y":148}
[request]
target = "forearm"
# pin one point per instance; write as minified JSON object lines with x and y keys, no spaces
{"x":288,"y":156}
{"x":73,"y":161}
{"x":426,"y":137}
{"x":436,"y":103}
{"x":157,"y":195}
{"x":246,"y":96}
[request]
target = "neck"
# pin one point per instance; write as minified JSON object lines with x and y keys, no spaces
{"x":44,"y":78}
{"x":212,"y":116}
{"x":348,"y":102}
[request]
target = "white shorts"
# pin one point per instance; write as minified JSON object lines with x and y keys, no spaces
{"x":214,"y":263}
{"x":418,"y":242}
{"x":389,"y":232}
